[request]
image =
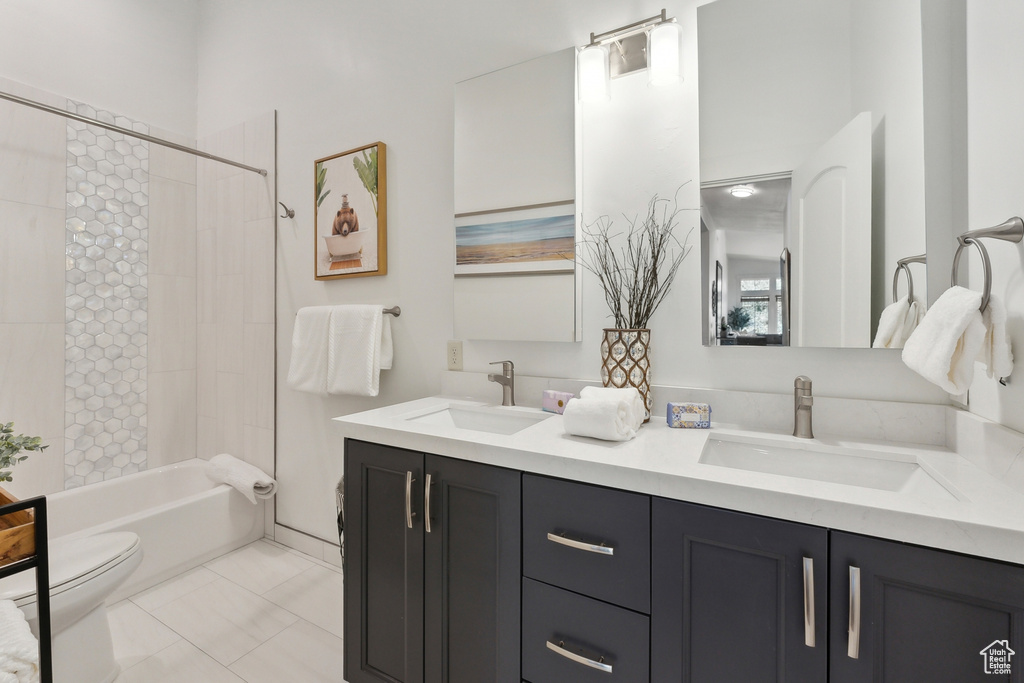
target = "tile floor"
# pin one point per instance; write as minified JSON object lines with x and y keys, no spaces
{"x":261,"y":614}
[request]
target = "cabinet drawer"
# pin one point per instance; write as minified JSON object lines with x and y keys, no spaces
{"x":581,"y":518}
{"x":565,"y":636}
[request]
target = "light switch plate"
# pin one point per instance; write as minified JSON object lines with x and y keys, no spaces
{"x":454,"y":355}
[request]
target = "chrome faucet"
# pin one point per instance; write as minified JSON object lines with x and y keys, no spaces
{"x":507,"y":380}
{"x":802,"y":402}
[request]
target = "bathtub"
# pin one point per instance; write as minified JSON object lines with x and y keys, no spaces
{"x":182,"y":518}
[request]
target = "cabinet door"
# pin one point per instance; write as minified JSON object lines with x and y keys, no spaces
{"x":925,"y":615}
{"x":383,"y":565}
{"x":472,"y":608}
{"x":731,"y":600}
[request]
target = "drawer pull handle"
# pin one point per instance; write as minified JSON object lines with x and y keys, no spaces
{"x":409,"y":514}
{"x":580,"y":545}
{"x":809,"y":601}
{"x":426,"y":505}
{"x":579,"y":659}
{"x":853,"y":648}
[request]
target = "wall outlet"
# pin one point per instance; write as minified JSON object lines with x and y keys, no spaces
{"x":454,"y":355}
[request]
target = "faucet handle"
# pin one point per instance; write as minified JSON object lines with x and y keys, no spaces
{"x":507,"y":367}
{"x":802,"y":382}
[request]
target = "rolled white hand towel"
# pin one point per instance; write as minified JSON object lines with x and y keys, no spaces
{"x":19,"y":650}
{"x":995,"y":349}
{"x":945,"y":345}
{"x":251,"y":481}
{"x":600,"y":419}
{"x":629,"y":394}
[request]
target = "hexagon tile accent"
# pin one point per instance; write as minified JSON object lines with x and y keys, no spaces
{"x":106,"y":299}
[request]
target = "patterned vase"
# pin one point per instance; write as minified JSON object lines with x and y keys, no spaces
{"x":626,"y":362}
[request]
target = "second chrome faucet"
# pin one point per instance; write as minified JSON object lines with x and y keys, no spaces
{"x":507,"y":380}
{"x":802,"y":402}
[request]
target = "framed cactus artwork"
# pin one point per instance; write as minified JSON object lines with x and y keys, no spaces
{"x":350,"y":213}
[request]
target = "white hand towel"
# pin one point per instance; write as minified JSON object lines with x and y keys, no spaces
{"x":357,"y":351}
{"x":995,"y":349}
{"x":19,"y":650}
{"x":249,"y":480}
{"x":307,"y":370}
{"x":599,"y":419}
{"x":630,"y":395}
{"x":945,"y":345}
{"x":897,"y":322}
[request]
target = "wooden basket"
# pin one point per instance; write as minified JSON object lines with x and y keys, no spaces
{"x":17,"y":532}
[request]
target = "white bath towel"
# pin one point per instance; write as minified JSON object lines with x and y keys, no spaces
{"x":897,"y":322}
{"x":251,"y":481}
{"x":608,"y":419}
{"x":945,"y":345}
{"x":995,"y":349}
{"x":19,"y":650}
{"x":360,"y":347}
{"x":629,"y":394}
{"x":307,"y":370}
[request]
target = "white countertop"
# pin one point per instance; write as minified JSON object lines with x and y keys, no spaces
{"x":981,"y":516}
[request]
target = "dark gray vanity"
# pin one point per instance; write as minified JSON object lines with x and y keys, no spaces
{"x":465,"y":572}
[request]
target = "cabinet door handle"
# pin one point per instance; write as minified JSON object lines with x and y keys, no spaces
{"x":409,"y":514}
{"x":853,"y":649}
{"x":426,"y":504}
{"x":809,"y":601}
{"x":580,"y":545}
{"x":579,"y":659}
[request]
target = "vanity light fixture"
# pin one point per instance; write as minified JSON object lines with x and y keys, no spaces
{"x":741,"y":191}
{"x":654,"y":44}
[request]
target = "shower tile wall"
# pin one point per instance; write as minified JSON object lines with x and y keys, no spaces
{"x":107,"y":297}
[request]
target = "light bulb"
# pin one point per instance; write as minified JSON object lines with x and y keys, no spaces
{"x":592,"y":64}
{"x":664,"y":54}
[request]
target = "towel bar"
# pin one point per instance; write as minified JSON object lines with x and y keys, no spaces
{"x":902,"y":265}
{"x":394,"y":310}
{"x":1011,"y":230}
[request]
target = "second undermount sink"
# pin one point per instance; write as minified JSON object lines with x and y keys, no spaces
{"x":491,"y":419}
{"x":868,"y":470}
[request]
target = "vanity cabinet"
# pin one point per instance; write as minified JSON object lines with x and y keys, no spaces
{"x":905,"y":613}
{"x":736,"y":597}
{"x":432,"y":568}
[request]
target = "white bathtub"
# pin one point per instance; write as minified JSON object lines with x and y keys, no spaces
{"x":182,"y":518}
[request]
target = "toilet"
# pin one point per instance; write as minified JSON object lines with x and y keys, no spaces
{"x":83,"y":573}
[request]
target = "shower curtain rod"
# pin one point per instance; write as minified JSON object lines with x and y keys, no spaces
{"x":128,"y":131}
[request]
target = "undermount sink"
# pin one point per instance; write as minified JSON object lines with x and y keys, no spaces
{"x":868,"y":470}
{"x":491,"y":419}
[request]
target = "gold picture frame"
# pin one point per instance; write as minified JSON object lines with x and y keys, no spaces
{"x":350,"y":213}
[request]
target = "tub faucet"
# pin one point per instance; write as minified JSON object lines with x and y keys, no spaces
{"x":507,"y":380}
{"x":802,"y":402}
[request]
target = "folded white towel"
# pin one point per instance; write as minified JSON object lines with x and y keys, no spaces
{"x":629,"y":394}
{"x":897,"y":322}
{"x":307,"y":370}
{"x":606,"y":419}
{"x":995,"y":349}
{"x":251,"y":481}
{"x":19,"y":650}
{"x":945,"y":345}
{"x":360,"y":347}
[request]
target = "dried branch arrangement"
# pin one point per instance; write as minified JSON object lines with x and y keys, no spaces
{"x":636,"y":269}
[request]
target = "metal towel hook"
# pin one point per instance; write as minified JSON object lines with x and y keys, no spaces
{"x":288,"y":213}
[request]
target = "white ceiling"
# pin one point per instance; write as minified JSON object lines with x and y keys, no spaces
{"x":764,"y":211}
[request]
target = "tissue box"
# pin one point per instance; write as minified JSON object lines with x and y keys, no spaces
{"x":554,"y":401}
{"x":689,"y":415}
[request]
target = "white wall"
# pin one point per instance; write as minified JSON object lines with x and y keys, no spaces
{"x":996,"y":147}
{"x":134,"y":58}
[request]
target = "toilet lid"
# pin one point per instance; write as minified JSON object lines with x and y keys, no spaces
{"x":72,"y":559}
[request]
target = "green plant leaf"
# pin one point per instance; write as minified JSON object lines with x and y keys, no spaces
{"x":322,"y":198}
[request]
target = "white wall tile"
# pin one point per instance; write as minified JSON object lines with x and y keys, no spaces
{"x":230,"y":225}
{"x":172,"y":227}
{"x":31,"y":262}
{"x":293,"y":539}
{"x":32,"y":377}
{"x":206,"y":369}
{"x":172,"y":323}
{"x":169,"y":163}
{"x":206,"y":272}
{"x":259,"y":253}
{"x":230,"y":390}
{"x":259,"y":449}
{"x":34,"y":156}
{"x":230,"y":328}
{"x":230,"y":144}
{"x":171,"y":417}
{"x":206,"y":437}
{"x":259,"y":375}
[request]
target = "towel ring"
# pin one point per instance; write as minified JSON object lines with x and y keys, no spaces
{"x":904,"y":265}
{"x":985,"y":262}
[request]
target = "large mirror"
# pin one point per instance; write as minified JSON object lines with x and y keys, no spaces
{"x":813,"y":130}
{"x":516,"y":202}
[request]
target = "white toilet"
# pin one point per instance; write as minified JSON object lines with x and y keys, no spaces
{"x":83,"y":573}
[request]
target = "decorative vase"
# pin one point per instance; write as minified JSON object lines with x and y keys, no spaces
{"x":626,"y":362}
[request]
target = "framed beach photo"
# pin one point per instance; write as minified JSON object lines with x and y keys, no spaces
{"x":519,"y":240}
{"x":350,"y":213}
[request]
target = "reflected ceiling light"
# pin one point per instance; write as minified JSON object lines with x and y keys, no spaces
{"x":741,"y":191}
{"x":654,"y":44}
